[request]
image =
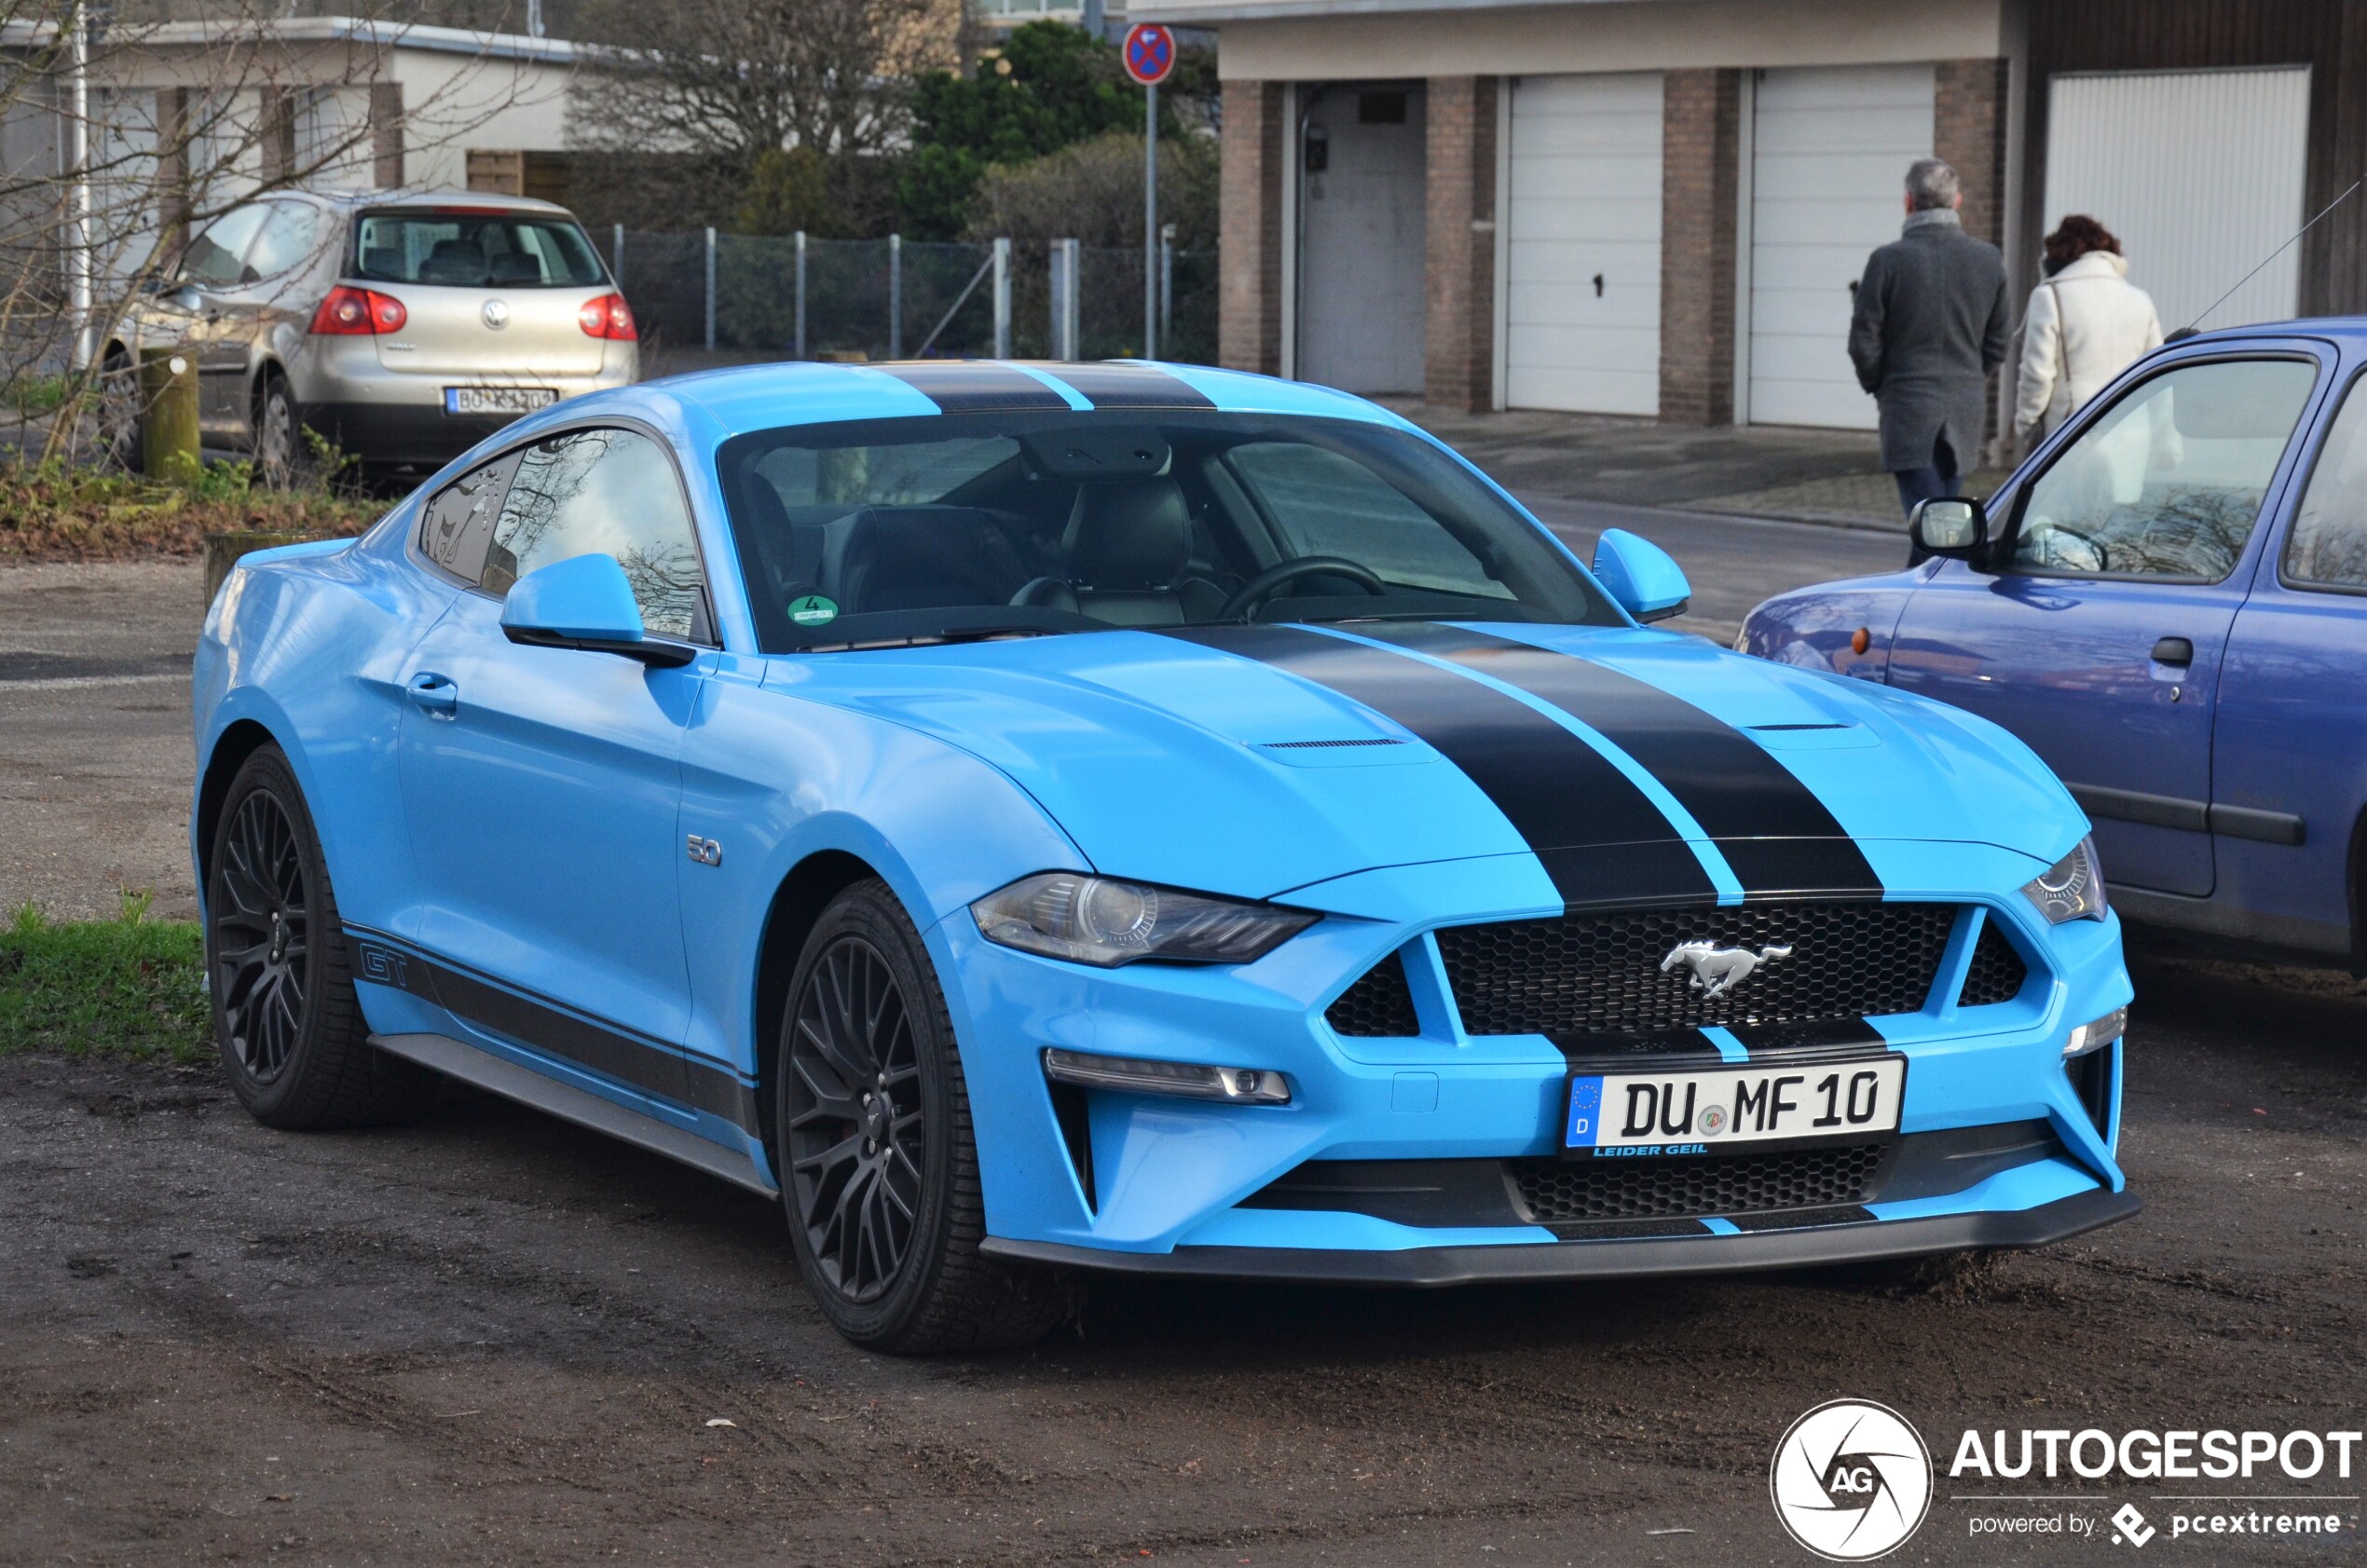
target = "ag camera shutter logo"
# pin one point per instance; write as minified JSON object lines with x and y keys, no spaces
{"x":1852,"y":1480}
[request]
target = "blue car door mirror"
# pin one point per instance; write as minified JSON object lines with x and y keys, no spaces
{"x":1949,"y":526}
{"x":585,"y":602}
{"x":1639,"y":575}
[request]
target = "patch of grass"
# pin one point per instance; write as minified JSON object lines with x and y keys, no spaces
{"x":128,"y":986}
{"x":31,"y":393}
{"x":50,"y":512}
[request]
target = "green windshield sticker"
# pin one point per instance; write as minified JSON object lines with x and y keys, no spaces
{"x":811,"y":609}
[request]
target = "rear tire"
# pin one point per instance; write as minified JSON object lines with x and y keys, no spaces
{"x":280,"y":972}
{"x":279,"y":434}
{"x":119,"y":410}
{"x":879,"y":1170}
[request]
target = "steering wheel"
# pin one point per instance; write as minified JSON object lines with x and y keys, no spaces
{"x":1259,"y":589}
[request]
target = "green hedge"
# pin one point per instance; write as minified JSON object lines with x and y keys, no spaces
{"x":129,"y":987}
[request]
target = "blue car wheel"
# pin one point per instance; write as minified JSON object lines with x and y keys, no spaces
{"x":879,"y":1171}
{"x":290,"y":1028}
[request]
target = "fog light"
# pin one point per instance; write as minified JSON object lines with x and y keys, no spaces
{"x":1246,"y":1085}
{"x":2095,"y":1036}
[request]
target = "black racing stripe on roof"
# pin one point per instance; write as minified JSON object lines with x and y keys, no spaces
{"x":1597,"y":834}
{"x":1120,"y":386}
{"x":1774,"y":832}
{"x":978,"y":387}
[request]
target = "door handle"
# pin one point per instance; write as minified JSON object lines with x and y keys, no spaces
{"x":2174,"y":650}
{"x":434,"y":695}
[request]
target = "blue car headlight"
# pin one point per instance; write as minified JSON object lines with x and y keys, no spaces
{"x":2072,"y":889}
{"x":1105,"y":921}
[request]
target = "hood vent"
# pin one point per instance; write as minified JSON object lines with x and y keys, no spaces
{"x":1311,"y":745}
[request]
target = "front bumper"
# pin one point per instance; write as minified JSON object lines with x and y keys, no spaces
{"x":1146,"y":1183}
{"x":1864,"y":1242}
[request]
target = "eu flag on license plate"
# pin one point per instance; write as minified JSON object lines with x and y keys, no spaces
{"x":1586,"y":1111}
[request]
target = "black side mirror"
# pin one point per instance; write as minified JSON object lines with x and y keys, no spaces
{"x":1952,"y":525}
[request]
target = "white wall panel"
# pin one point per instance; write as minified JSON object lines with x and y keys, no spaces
{"x":1829,"y":154}
{"x":2199,"y":175}
{"x":1584,"y":202}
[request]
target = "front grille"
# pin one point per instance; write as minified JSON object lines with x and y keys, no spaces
{"x":1711,"y":1184}
{"x":1600,"y":973}
{"x":1379,"y":1006}
{"x":1997,"y":972}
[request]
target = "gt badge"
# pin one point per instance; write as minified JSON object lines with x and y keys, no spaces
{"x":1718,"y":970}
{"x":706,"y":851}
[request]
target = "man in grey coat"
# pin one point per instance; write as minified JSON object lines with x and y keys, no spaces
{"x":1929,"y":327}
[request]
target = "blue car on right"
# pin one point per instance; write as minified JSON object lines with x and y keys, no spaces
{"x":2168,"y":601}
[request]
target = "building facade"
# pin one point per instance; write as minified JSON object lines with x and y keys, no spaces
{"x":1660,"y":208}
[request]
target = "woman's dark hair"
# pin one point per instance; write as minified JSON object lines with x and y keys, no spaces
{"x":2073,"y":238}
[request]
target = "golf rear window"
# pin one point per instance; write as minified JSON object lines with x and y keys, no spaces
{"x":475,"y":249}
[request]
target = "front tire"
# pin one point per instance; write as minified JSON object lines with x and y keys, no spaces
{"x":879,"y":1170}
{"x":280,"y":972}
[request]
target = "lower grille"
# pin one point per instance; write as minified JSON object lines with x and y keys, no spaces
{"x":1715,"y":1184}
{"x":1601,"y":974}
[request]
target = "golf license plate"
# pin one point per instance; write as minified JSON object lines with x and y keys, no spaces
{"x":1700,"y":1111}
{"x":498,"y":400}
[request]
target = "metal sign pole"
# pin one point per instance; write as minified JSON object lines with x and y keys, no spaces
{"x":1151,"y":221}
{"x":801,"y":293}
{"x":1003,"y":298}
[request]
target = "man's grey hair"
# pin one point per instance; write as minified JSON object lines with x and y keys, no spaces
{"x":1932,"y":184}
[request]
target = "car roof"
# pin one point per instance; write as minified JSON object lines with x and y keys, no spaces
{"x":769,"y":396}
{"x":444,"y":200}
{"x":2348,"y":327}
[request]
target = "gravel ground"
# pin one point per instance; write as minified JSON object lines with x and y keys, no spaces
{"x":491,"y":1337}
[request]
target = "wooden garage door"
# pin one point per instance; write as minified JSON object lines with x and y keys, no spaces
{"x":1830,"y":151}
{"x":1582,"y":295}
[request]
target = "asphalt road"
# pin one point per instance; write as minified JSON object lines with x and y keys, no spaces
{"x":489,"y":1337}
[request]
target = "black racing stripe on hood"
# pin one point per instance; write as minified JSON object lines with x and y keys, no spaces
{"x":1558,"y":791}
{"x":971,"y":386}
{"x":1109,"y":385}
{"x":1773,"y":831}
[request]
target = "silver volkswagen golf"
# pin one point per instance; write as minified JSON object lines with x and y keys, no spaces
{"x":403,"y":327}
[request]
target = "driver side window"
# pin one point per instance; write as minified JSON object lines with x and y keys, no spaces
{"x":216,"y":259}
{"x":2169,"y":483}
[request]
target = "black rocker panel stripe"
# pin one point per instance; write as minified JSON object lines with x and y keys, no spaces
{"x":974,"y":387}
{"x":1773,"y":831}
{"x":1118,"y":386}
{"x":1597,"y":834}
{"x":606,"y":1049}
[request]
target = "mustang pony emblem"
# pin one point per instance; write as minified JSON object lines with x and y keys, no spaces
{"x":1718,"y":970}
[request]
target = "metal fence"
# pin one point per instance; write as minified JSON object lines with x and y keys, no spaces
{"x":801,"y":297}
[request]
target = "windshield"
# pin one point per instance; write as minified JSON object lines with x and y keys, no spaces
{"x":484,"y":248}
{"x":893,"y":531}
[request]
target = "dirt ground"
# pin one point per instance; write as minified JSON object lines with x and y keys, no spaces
{"x":491,"y":1337}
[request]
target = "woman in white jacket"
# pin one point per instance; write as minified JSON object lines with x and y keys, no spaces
{"x":2086,"y":324}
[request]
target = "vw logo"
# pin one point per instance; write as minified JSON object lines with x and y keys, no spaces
{"x":1717,"y":970}
{"x":1851,"y":1481}
{"x":496,"y":314}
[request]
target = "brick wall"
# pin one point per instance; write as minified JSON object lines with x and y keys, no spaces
{"x":1968,"y":129}
{"x":1459,"y":302}
{"x":1700,"y":151}
{"x":1249,"y":331}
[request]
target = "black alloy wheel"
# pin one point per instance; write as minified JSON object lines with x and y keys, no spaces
{"x":262,"y":960}
{"x":871,"y":1128}
{"x":857,"y":1129}
{"x":289,"y":1024}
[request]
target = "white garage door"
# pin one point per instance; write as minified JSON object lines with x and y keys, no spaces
{"x":2199,"y":175}
{"x":1583,"y":288}
{"x":1830,"y":151}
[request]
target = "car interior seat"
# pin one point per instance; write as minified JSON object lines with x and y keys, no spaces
{"x":921,"y":557}
{"x":454,"y":261}
{"x":517,"y":266}
{"x":1128,"y":558}
{"x":383,"y":261}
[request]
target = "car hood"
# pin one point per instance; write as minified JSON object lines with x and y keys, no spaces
{"x":1256,"y":760}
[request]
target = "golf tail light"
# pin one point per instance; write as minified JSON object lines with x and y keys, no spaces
{"x":607,"y":316}
{"x":2096,"y":1033}
{"x":1240,"y":1085}
{"x":350,"y":313}
{"x":2072,"y":889}
{"x":1105,"y":921}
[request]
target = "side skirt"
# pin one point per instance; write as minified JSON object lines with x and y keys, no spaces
{"x":482,"y":1069}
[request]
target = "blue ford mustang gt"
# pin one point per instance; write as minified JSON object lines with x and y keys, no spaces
{"x":1133,"y":817}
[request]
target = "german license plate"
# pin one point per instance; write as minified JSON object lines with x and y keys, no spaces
{"x":1698,"y":1112}
{"x":498,"y":400}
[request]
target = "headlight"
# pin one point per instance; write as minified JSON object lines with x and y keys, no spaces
{"x":1102,"y":921}
{"x":2072,"y":889}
